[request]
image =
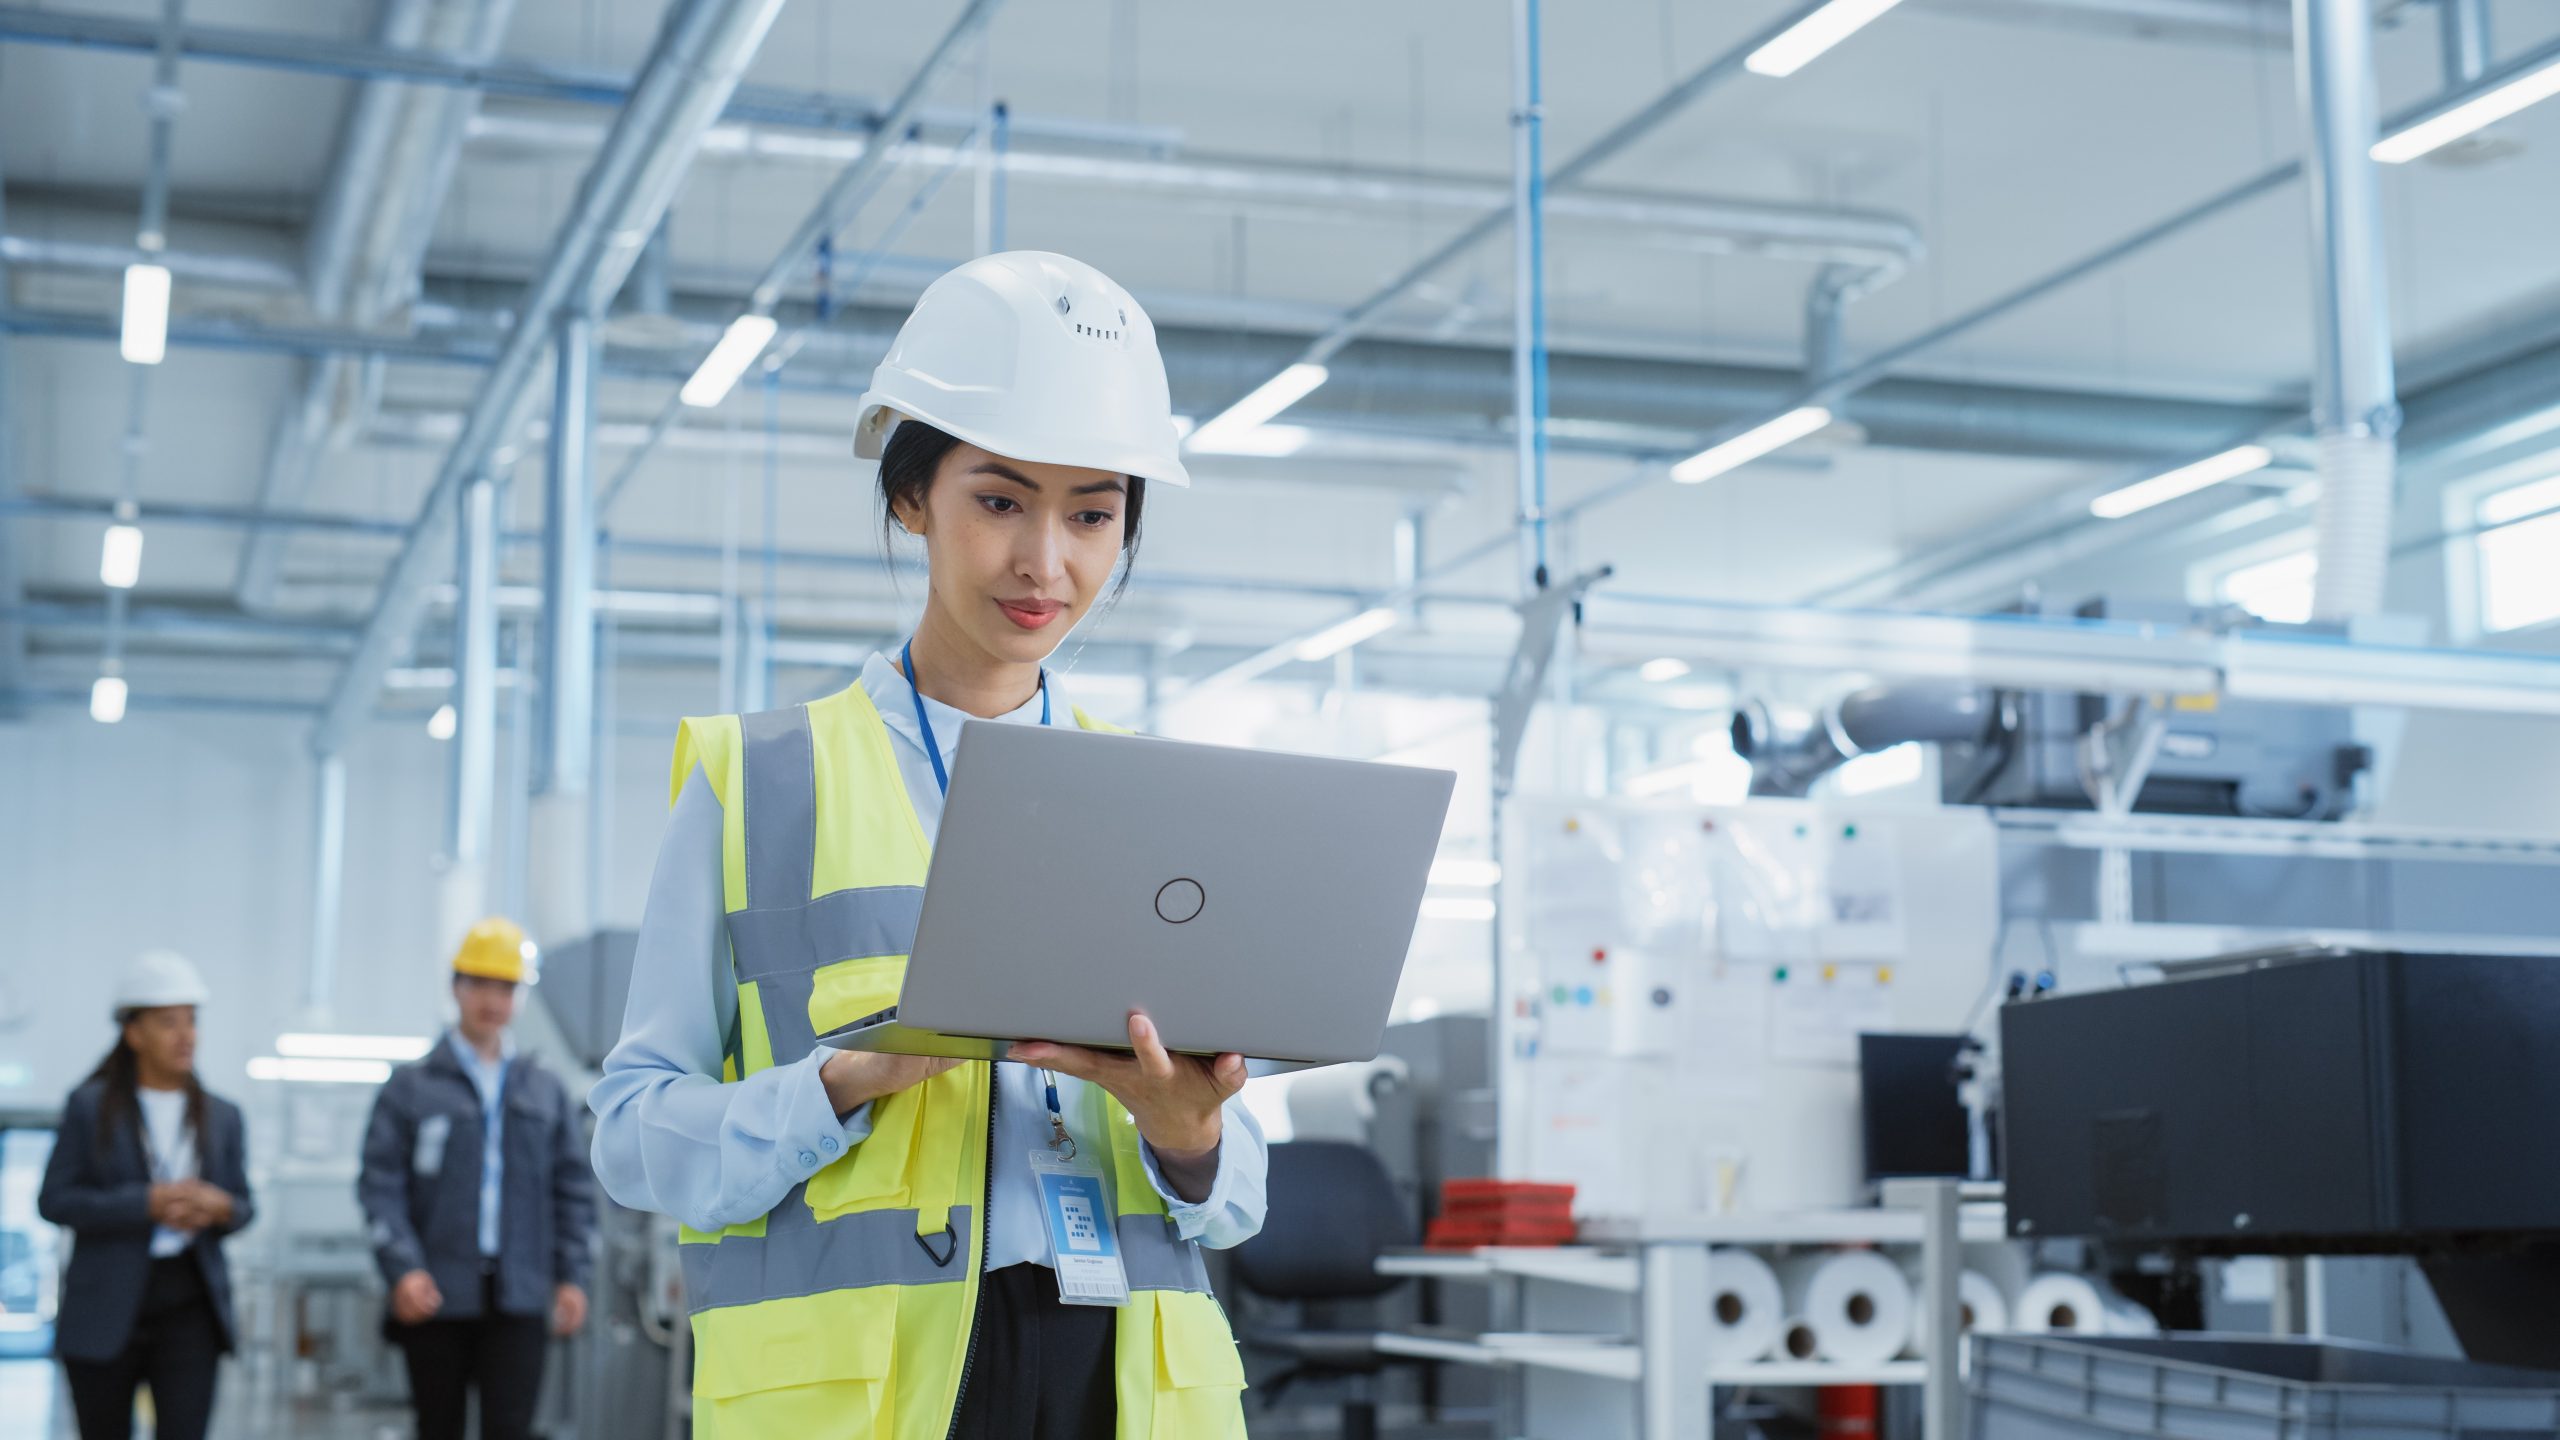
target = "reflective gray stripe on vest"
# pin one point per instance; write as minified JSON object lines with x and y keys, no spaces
{"x":781,"y":796}
{"x":868,"y":1247}
{"x":783,"y":936}
{"x":1157,"y":1257}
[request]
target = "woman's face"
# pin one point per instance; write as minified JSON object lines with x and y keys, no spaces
{"x":164,"y":1037}
{"x":1018,"y":550}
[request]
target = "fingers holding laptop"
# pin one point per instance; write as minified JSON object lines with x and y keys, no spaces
{"x":1176,"y":1099}
{"x":854,"y":1078}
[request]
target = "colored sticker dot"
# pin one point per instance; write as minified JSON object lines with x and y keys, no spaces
{"x":1884,"y":974}
{"x":1661,"y":997}
{"x":1830,"y":972}
{"x":1849,"y":832}
{"x":1582,"y":995}
{"x":1599,"y":957}
{"x":1781,"y":976}
{"x":1607,"y":998}
{"x":1562,"y":995}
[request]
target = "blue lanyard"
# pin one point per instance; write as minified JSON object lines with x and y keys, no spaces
{"x":933,"y":747}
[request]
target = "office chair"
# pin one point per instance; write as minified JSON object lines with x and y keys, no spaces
{"x":1333,"y":1212}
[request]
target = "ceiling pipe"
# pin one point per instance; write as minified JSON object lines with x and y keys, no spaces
{"x":388,"y":180}
{"x":1762,"y":228}
{"x":2355,"y":407}
{"x":702,"y":48}
{"x":1565,"y":178}
{"x":524,"y":79}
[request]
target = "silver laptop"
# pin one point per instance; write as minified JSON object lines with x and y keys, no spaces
{"x":1246,"y":901}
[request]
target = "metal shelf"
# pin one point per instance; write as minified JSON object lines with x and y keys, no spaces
{"x":1979,"y":1224}
{"x":1610,"y":1360}
{"x":1564,"y":1265}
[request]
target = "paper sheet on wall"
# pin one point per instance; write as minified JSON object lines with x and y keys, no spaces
{"x":1817,"y":1021}
{"x":1727,"y":1008}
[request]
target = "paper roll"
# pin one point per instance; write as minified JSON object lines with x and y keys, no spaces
{"x":2059,"y":1304}
{"x":1979,"y":1304}
{"x":1746,"y":1314}
{"x":1337,"y":1102}
{"x":1850,"y":1307}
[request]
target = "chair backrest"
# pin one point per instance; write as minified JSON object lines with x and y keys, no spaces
{"x":1333,"y":1211}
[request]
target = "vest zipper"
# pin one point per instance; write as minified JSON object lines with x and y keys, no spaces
{"x":986,"y":1229}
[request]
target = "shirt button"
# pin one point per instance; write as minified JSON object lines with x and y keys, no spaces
{"x":827,"y":1145}
{"x":808,"y":1159}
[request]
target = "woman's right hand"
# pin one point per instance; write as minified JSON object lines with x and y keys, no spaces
{"x":415,"y":1300}
{"x":855,"y":1078}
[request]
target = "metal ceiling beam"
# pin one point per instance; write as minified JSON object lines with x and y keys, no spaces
{"x":368,"y":235}
{"x":1840,"y":389}
{"x":702,"y":49}
{"x":1704,"y":223}
{"x":522,"y":79}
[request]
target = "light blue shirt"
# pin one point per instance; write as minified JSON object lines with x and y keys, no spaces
{"x":672,"y":1138}
{"x":489,"y":1077}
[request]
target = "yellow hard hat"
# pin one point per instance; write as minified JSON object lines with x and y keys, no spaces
{"x":496,"y":949}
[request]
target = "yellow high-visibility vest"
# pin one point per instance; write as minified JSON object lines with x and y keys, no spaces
{"x":846,"y":1312}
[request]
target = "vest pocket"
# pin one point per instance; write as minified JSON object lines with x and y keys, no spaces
{"x":811,"y":1342}
{"x":1199,"y":1374}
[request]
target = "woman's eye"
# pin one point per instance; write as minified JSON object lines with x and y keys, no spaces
{"x":1095,"y":519}
{"x":1000,"y":504}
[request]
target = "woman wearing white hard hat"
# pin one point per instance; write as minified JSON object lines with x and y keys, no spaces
{"x":149,"y":1173}
{"x":864,"y":1252}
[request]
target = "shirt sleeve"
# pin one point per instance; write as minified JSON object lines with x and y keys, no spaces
{"x":1232,"y":1211}
{"x":671,"y":1135}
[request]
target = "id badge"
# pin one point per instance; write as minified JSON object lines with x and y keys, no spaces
{"x":1084,"y":1246}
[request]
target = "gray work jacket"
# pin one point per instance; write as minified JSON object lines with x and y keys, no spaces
{"x":420,"y":1187}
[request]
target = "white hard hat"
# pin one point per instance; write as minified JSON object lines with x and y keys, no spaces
{"x":159,"y":977}
{"x":1035,"y":357}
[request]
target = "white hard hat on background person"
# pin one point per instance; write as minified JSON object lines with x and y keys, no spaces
{"x":1033,"y":356}
{"x":159,"y":977}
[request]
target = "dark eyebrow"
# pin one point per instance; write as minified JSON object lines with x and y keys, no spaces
{"x":1002,"y":471}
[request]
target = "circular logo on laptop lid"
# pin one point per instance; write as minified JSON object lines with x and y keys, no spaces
{"x":1180,"y":900}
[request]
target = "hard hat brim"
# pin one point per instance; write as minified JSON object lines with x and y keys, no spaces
{"x":878,"y":416}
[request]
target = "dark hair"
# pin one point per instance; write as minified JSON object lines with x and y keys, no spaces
{"x":914,"y":454}
{"x":121,"y":1073}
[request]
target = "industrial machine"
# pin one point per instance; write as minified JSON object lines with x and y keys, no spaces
{"x":2303,"y":1103}
{"x":2032,"y":748}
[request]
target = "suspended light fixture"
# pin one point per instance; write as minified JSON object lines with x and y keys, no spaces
{"x":146,"y":313}
{"x":718,"y":374}
{"x":2160,"y":489}
{"x":1762,"y":439}
{"x":1804,"y":41}
{"x":2430,"y":133}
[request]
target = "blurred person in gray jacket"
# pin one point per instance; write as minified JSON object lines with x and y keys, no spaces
{"x":480,"y":1205}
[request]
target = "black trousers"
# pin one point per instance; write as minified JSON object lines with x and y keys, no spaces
{"x":1040,"y":1370}
{"x":176,"y":1349}
{"x":499,"y":1355}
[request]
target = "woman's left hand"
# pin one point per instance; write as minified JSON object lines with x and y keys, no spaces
{"x":1177,"y":1100}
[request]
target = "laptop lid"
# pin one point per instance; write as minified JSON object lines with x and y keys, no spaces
{"x":1248,"y":901}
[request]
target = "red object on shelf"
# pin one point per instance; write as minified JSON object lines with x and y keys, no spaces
{"x":1475,"y":1213}
{"x":1848,"y":1412}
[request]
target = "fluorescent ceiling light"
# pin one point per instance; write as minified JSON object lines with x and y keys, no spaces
{"x":1451,"y":907}
{"x":2231,"y":464}
{"x":317,"y":1071}
{"x":1808,"y":38}
{"x":1334,"y":639}
{"x":1466,"y":874}
{"x":2437,"y":131}
{"x":146,"y":313}
{"x":120,"y":559}
{"x":352,"y":1047}
{"x":1883,"y":769}
{"x":106,"y":699}
{"x":1751,"y":444}
{"x":440,"y":724}
{"x":1268,"y":399}
{"x":1663,"y":669}
{"x":718,"y":374}
{"x":1269,"y":442}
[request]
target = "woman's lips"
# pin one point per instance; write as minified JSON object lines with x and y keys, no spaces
{"x":1031,"y":614}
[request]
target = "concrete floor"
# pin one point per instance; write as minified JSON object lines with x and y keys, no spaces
{"x":34,"y":1406}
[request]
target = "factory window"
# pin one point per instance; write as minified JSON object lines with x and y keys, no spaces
{"x":2517,"y":554}
{"x":2271,"y":581}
